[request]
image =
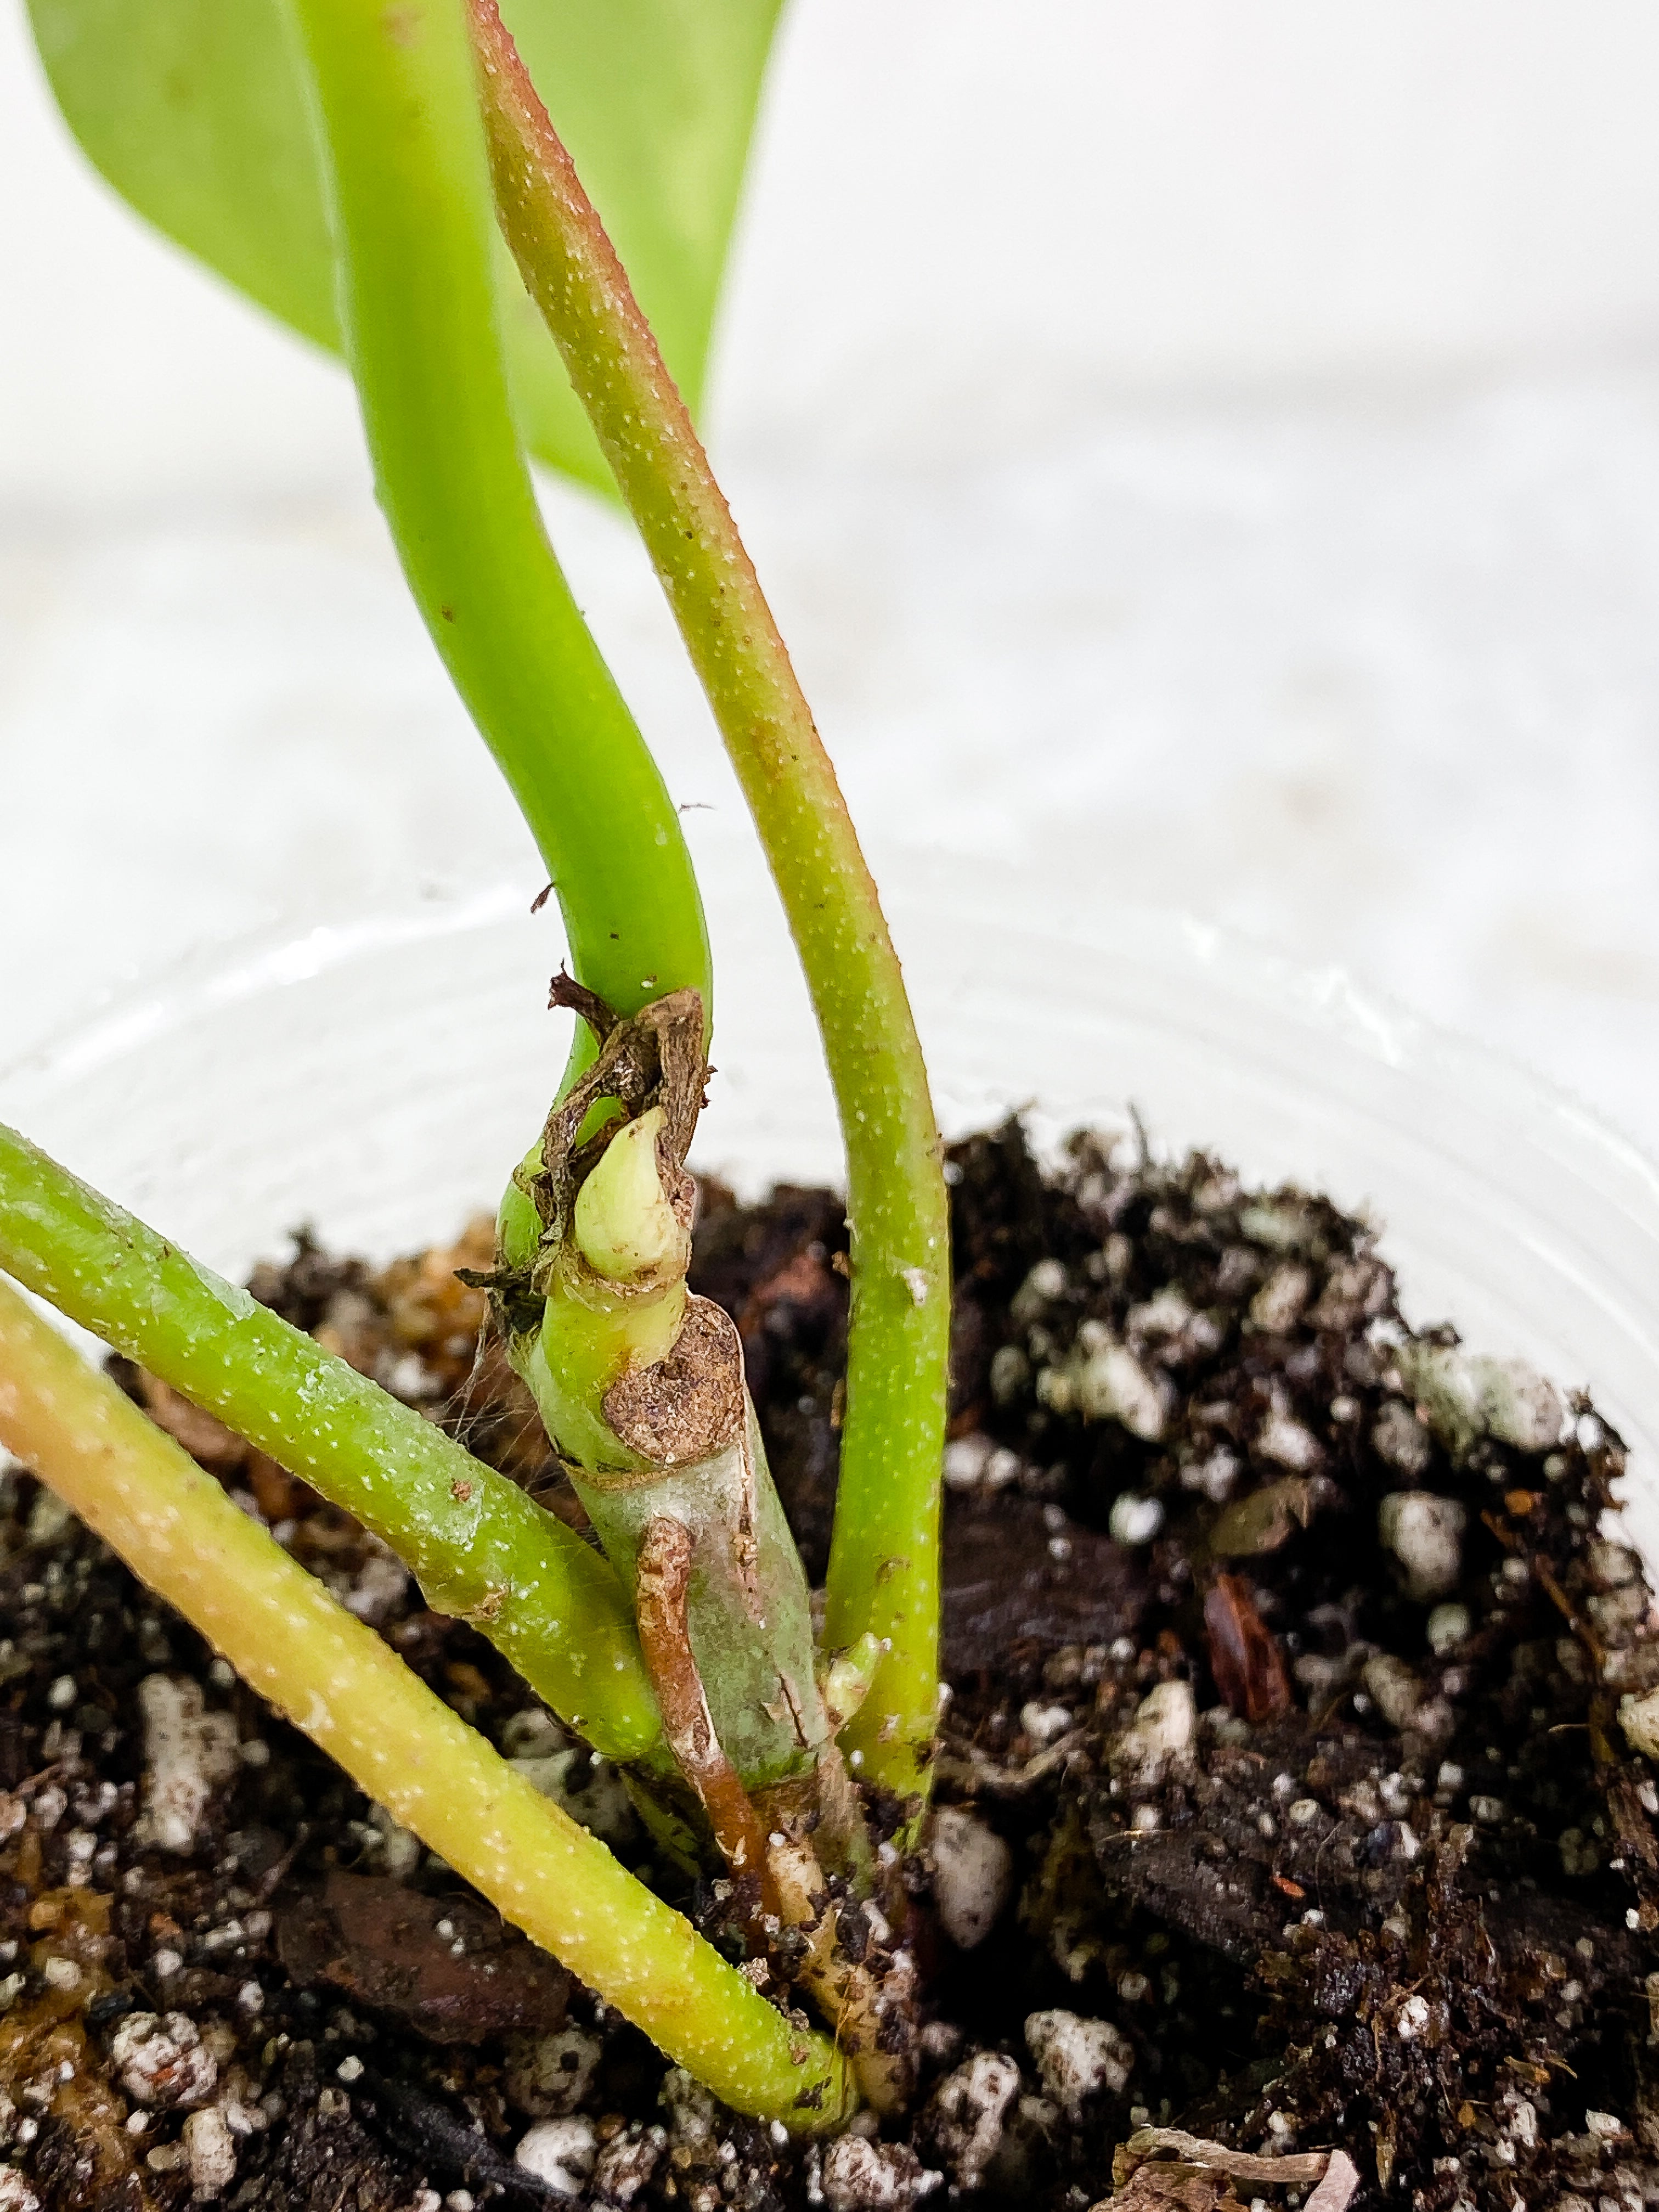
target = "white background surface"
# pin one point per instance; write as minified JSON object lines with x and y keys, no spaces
{"x":1210,"y":452}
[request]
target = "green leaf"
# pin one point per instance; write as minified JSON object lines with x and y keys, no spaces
{"x":195,"y":112}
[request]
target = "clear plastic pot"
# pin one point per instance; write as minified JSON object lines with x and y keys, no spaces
{"x":377,"y":1077}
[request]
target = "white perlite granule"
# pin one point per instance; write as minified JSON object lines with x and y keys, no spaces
{"x":860,"y":2176}
{"x":967,"y":2111}
{"x":161,"y":2061}
{"x":1078,"y":2057}
{"x":188,"y":1754}
{"x":1160,"y":1733}
{"x":1424,"y":1532}
{"x":548,"y":2074}
{"x":210,"y":2153}
{"x":560,"y":2153}
{"x":973,"y":1874}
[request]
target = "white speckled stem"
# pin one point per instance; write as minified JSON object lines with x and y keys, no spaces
{"x":883,"y":1557}
{"x":334,"y":1678}
{"x":480,"y":1548}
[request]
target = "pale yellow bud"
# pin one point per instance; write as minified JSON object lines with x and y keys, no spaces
{"x":624,"y":1226}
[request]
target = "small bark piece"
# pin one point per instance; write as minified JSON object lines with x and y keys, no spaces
{"x":1244,"y":1654}
{"x":385,"y":1946}
{"x":1341,"y":2181}
{"x":1264,"y":1521}
{"x":1294,"y":2171}
{"x":1160,"y":2186}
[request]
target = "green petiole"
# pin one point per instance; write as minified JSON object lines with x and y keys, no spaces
{"x":350,"y":1693}
{"x":481,"y":1549}
{"x":397,"y":111}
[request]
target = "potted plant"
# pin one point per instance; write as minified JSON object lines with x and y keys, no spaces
{"x":1290,"y":1482}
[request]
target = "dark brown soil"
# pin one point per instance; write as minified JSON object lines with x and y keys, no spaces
{"x":1258,"y":1825}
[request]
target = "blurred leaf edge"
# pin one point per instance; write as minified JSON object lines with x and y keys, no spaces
{"x":194,"y":111}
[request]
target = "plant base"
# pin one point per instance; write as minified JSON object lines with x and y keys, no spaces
{"x":1280,"y":1807}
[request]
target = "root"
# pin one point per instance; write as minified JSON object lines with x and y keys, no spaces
{"x":866,"y":1999}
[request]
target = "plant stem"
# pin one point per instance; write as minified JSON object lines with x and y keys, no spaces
{"x":750,"y":1609}
{"x":481,"y":1549}
{"x":334,"y":1678}
{"x":883,"y":1569}
{"x":409,"y":187}
{"x":642,"y":1388}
